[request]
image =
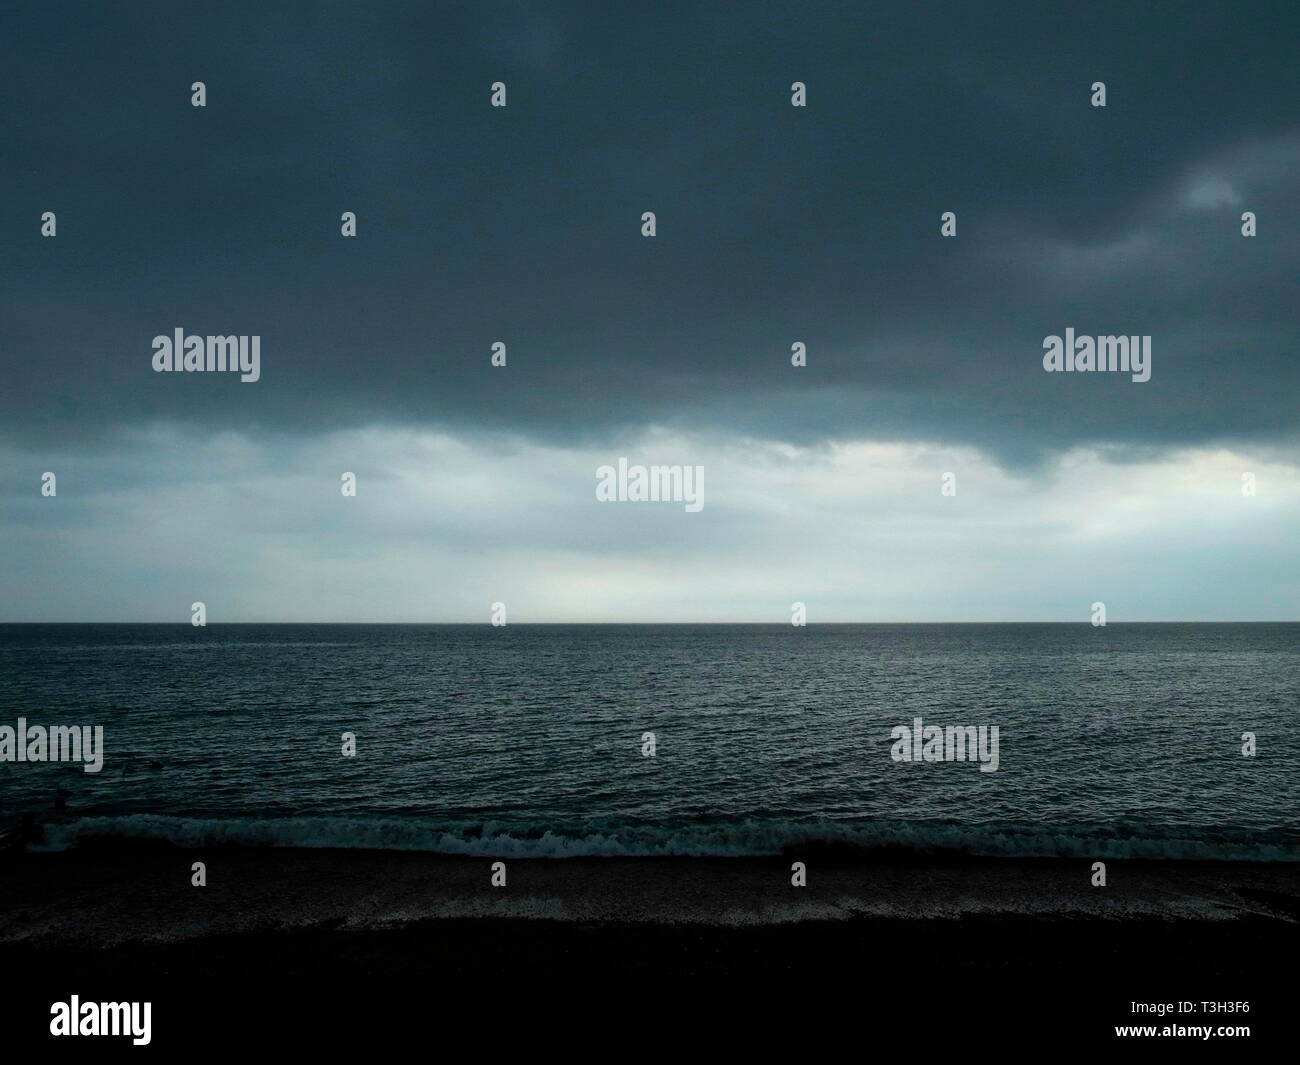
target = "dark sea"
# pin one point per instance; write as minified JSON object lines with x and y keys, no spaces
{"x":1118,"y":741}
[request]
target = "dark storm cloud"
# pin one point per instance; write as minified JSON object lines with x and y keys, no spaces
{"x":776,"y":224}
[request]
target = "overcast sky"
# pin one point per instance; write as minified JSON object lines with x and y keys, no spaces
{"x":775,"y":224}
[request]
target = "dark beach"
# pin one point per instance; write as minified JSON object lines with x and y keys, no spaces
{"x":339,"y":947}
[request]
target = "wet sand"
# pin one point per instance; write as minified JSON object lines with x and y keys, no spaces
{"x":303,"y":947}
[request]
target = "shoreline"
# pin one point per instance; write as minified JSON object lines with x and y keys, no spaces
{"x":346,"y":947}
{"x":107,"y":894}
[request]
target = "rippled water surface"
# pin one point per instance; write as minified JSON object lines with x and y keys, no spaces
{"x":527,"y":739}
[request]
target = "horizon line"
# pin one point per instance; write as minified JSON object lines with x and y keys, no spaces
{"x":783,"y":624}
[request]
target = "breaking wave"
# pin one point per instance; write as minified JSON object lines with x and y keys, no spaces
{"x":698,"y":839}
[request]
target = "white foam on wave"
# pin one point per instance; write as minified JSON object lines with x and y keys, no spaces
{"x":729,"y":839}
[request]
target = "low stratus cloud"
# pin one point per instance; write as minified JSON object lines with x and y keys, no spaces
{"x":442,"y":527}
